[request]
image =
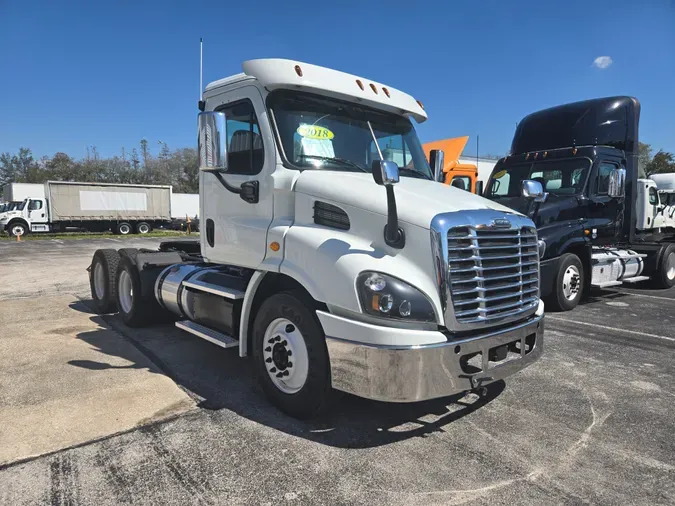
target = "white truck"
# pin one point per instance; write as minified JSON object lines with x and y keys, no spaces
{"x":331,"y":267}
{"x":95,"y":207}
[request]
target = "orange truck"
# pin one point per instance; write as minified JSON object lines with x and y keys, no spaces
{"x":460,"y":175}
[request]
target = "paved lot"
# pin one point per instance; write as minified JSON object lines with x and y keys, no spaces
{"x":591,"y":423}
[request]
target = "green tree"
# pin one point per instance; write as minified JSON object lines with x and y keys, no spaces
{"x":662,"y":162}
{"x":20,"y":168}
{"x":644,"y":157}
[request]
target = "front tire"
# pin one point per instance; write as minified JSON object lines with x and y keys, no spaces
{"x":290,"y":355}
{"x":665,"y":270}
{"x":568,"y":285}
{"x":17,"y":229}
{"x":102,"y":280}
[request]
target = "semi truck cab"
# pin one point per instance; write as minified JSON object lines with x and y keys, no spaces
{"x":327,"y":263}
{"x":573,"y":169}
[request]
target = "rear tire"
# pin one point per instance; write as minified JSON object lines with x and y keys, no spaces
{"x":143,"y":228}
{"x":664,"y":277}
{"x":123,"y":228}
{"x":304,"y":387}
{"x":102,"y":277}
{"x":568,"y":285}
{"x":135,"y":309}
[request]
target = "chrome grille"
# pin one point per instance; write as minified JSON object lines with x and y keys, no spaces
{"x":493,"y":274}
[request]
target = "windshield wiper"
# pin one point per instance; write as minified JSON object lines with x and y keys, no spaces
{"x":341,"y":161}
{"x":413,"y":173}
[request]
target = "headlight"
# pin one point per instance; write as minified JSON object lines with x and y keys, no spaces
{"x":542,"y":248}
{"x":388,"y":297}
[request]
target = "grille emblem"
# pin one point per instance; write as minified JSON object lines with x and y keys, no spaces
{"x":498,"y":223}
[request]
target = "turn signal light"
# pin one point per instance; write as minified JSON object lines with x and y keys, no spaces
{"x":275,"y":246}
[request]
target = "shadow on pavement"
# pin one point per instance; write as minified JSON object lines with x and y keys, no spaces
{"x":220,"y":379}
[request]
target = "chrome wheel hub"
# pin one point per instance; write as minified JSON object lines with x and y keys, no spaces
{"x":99,"y":281}
{"x":285,"y":356}
{"x":126,"y":291}
{"x":571,"y":282}
{"x":670,"y":266}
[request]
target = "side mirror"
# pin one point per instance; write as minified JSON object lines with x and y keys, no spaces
{"x":385,"y":172}
{"x":212,"y":141}
{"x":533,"y":190}
{"x":479,"y":187}
{"x":617,"y":183}
{"x":437,"y":162}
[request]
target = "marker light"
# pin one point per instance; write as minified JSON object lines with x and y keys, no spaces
{"x":386,"y":92}
{"x":372,"y":87}
{"x":420,"y":104}
{"x":358,"y":81}
{"x":298,"y":70}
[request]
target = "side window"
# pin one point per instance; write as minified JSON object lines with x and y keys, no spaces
{"x":35,"y":205}
{"x":602,"y":182}
{"x":653,"y":197}
{"x":245,"y":154}
{"x":462,"y":182}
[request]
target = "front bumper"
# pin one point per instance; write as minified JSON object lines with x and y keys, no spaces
{"x":398,"y":373}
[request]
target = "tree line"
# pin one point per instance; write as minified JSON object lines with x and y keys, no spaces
{"x":179,"y":168}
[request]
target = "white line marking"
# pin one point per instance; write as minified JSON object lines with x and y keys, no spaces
{"x":610,"y":328}
{"x":648,"y":296}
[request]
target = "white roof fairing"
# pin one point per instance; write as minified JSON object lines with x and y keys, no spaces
{"x":274,"y":73}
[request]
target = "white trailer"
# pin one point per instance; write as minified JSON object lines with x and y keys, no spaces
{"x":96,"y":207}
{"x":329,"y":265}
{"x":18,"y":192}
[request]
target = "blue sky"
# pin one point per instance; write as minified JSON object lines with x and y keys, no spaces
{"x":106,"y":74}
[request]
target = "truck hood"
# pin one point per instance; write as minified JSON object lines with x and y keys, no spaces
{"x":417,"y":200}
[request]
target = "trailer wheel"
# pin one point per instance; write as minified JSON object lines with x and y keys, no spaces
{"x":568,"y":285}
{"x":664,"y":277}
{"x":17,"y":229}
{"x":143,"y":228}
{"x":135,"y":309}
{"x":290,"y":355}
{"x":102,"y":276}
{"x":123,"y":228}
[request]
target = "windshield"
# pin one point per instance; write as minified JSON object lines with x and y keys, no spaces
{"x":323,"y":133}
{"x":558,"y":177}
{"x":15,"y":206}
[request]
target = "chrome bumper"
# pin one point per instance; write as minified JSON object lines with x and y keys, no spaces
{"x":410,"y":374}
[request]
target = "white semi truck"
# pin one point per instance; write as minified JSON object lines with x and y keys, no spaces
{"x":96,"y":207}
{"x":331,"y":267}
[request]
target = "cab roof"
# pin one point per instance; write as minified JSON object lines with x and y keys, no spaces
{"x":275,"y":73}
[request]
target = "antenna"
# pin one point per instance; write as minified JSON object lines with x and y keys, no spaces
{"x":201,"y":52}
{"x":477,"y":139}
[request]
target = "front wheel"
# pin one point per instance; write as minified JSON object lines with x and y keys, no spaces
{"x":290,"y":355}
{"x":17,"y":229}
{"x":568,"y":285}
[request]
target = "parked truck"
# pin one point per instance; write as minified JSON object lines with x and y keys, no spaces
{"x":94,"y":207}
{"x":327,"y":263}
{"x":459,"y":174}
{"x":573,"y":169}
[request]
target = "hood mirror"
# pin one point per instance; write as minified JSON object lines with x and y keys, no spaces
{"x":212,"y":142}
{"x":534,"y":190}
{"x":385,"y":172}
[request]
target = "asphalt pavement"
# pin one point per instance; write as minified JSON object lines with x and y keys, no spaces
{"x":592,"y":422}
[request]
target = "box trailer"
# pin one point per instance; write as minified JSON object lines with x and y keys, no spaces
{"x":18,"y":192}
{"x":95,"y":207}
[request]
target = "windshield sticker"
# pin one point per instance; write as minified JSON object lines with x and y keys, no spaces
{"x":314,"y":132}
{"x":500,"y":174}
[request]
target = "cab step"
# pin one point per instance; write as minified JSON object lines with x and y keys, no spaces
{"x":204,"y":332}
{"x":636,"y":279}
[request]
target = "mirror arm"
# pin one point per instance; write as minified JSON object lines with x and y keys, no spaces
{"x":393,"y":234}
{"x":248,"y":191}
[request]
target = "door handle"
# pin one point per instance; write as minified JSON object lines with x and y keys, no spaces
{"x":42,"y":215}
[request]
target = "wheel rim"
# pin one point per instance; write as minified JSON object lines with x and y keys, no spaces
{"x":18,"y":230}
{"x":125,"y":291}
{"x":125,"y":229}
{"x":99,"y":281}
{"x":143,"y":229}
{"x":571,"y":282}
{"x":285,"y":356}
{"x":670,"y":266}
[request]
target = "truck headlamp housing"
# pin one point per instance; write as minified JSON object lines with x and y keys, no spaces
{"x":388,"y":297}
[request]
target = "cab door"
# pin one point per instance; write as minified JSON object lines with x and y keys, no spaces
{"x":37,"y":213}
{"x":234,"y":231}
{"x":604,"y":212}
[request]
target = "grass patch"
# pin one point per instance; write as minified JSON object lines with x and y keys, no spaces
{"x":98,"y":235}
